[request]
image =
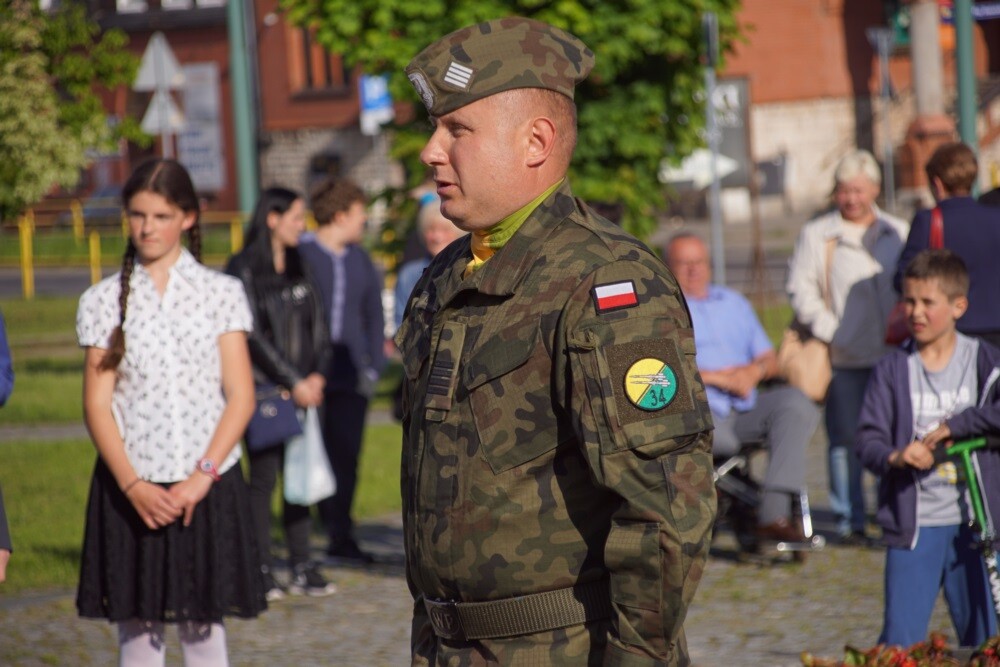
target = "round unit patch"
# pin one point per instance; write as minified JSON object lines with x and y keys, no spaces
{"x":650,"y":384}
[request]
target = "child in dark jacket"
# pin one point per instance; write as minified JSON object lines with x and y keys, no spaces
{"x":939,"y":386}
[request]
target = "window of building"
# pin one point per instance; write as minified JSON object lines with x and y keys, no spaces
{"x":175,"y":4}
{"x":129,"y":6}
{"x":311,"y":67}
{"x":211,"y":3}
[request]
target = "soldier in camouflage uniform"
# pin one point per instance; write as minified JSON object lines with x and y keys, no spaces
{"x":557,"y":475}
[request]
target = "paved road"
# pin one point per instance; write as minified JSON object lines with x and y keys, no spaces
{"x":755,"y":613}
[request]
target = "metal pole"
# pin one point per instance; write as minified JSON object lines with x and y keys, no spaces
{"x":242,"y":100}
{"x":889,"y":179}
{"x":965,"y":74}
{"x":711,"y":27}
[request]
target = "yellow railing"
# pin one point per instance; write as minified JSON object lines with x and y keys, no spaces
{"x":49,"y":215}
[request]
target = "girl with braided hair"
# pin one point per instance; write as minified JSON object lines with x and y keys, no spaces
{"x":168,"y":392}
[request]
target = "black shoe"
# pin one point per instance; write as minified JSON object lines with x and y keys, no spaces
{"x":856,"y":538}
{"x":272,"y":589}
{"x":349,"y":550}
{"x":781,"y":530}
{"x":306,"y":580}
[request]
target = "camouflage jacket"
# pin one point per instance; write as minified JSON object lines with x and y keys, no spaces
{"x":556,"y":432}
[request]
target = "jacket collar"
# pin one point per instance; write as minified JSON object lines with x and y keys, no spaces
{"x":505,"y":270}
{"x":833,"y":229}
{"x":186,"y":268}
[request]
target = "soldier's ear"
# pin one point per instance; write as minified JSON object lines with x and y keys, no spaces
{"x":541,"y":141}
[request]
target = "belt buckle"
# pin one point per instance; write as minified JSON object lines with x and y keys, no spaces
{"x":445,"y":619}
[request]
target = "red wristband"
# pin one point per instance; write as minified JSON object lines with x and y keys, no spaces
{"x":208,"y":467}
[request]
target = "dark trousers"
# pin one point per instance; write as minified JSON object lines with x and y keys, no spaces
{"x":264,"y":467}
{"x":343,"y":429}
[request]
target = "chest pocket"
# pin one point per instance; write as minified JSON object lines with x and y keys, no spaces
{"x":509,"y":389}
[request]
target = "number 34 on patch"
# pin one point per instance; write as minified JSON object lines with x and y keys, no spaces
{"x":650,"y":384}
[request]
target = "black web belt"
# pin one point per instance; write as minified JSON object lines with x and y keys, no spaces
{"x":521,"y":615}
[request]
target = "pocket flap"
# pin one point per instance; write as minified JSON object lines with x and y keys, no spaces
{"x":500,"y":354}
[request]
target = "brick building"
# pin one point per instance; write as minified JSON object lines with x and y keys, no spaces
{"x":806,"y":71}
{"x":814,"y":80}
{"x":307,"y":108}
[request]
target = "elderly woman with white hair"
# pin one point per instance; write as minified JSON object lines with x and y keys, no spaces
{"x":840,"y":288}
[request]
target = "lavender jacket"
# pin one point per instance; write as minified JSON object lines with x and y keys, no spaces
{"x":886,"y":424}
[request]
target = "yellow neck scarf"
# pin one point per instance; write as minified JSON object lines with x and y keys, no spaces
{"x":486,"y":242}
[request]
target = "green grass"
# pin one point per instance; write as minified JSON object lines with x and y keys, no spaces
{"x":45,"y":484}
{"x":57,"y":247}
{"x":45,"y":491}
{"x":48,"y":364}
{"x":45,"y":488}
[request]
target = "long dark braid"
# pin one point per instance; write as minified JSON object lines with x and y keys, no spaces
{"x":169,"y":179}
{"x":194,"y":240}
{"x":116,"y":346}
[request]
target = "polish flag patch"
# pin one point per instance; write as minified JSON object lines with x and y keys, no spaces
{"x":613,"y":296}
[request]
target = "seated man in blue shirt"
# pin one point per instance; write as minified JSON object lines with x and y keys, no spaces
{"x":734,"y":356}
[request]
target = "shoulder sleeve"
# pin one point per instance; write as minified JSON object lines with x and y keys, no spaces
{"x":232,"y":311}
{"x":759,"y":343}
{"x":5,"y":542}
{"x":806,"y":275}
{"x":875,"y":440}
{"x":98,"y":313}
{"x":6,"y":365}
{"x":640,"y":411}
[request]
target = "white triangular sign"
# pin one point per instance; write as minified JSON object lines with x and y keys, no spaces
{"x":159,"y":68}
{"x":162,"y":115}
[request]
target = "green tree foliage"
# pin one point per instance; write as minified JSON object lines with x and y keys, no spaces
{"x":52,"y":66}
{"x":641,"y":103}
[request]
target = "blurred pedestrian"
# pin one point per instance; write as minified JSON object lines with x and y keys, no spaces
{"x":6,"y":365}
{"x":734,"y":358}
{"x":865,"y":243}
{"x":6,"y":387}
{"x":971,"y":229}
{"x":436,"y":232}
{"x":557,"y":474}
{"x":351,"y":292}
{"x":167,"y":393}
{"x":290,"y":350}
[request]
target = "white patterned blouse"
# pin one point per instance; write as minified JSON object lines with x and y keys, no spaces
{"x":168,"y":395}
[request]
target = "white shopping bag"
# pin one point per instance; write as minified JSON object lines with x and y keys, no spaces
{"x":308,"y":476}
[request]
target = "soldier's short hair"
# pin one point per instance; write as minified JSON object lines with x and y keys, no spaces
{"x":503,"y":54}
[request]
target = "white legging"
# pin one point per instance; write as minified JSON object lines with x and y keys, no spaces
{"x":141,"y":644}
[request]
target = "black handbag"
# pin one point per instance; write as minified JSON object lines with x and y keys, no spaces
{"x":274,"y":421}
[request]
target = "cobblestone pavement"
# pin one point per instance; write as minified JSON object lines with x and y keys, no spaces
{"x":759,"y":612}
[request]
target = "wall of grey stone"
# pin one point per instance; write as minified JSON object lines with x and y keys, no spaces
{"x":286,"y":157}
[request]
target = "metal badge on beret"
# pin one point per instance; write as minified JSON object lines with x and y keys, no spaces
{"x":503,"y":54}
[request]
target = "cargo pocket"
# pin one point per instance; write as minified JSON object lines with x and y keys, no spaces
{"x":632,"y":554}
{"x":511,"y":400}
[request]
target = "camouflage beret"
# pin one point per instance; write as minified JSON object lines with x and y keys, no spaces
{"x":503,"y":54}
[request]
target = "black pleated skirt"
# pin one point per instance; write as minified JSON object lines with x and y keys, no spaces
{"x":199,"y":573}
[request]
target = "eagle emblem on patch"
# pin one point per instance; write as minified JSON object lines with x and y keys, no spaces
{"x":423,"y":88}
